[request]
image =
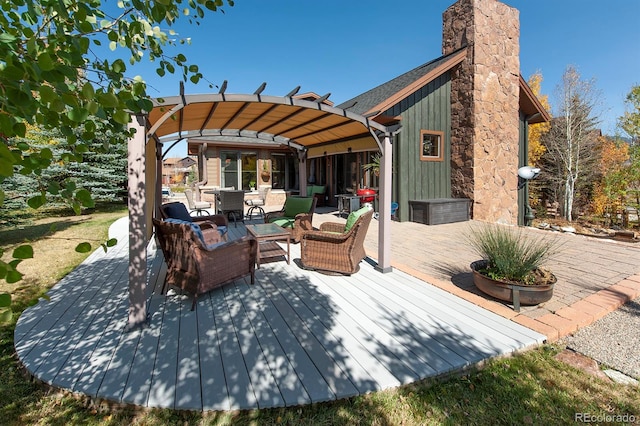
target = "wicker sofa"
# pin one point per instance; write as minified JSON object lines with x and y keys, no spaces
{"x":296,"y":216}
{"x":337,"y":247}
{"x":198,"y":267}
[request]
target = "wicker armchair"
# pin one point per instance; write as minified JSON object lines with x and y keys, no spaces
{"x":178,"y":210}
{"x":296,"y":216}
{"x":198,"y":268}
{"x":333,"y":249}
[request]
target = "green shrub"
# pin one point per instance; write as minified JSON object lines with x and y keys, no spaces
{"x":510,"y":255}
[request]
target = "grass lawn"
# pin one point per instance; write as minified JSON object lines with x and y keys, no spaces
{"x":528,"y":388}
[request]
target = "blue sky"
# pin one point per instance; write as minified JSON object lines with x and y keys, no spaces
{"x":348,"y":47}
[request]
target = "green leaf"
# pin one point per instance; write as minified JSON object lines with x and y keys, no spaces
{"x":84,"y":197}
{"x":122,"y":117}
{"x":20,"y":129}
{"x":7,"y":38}
{"x":87,"y":91}
{"x":23,"y":252}
{"x":47,"y":94}
{"x":108,"y":100}
{"x":13,"y":276}
{"x":5,"y":300}
{"x":6,"y":168}
{"x":6,"y":315}
{"x":36,"y":202}
{"x":112,"y":242}
{"x":45,"y":62}
{"x":46,"y":153}
{"x":78,"y":114}
{"x":53,"y":188}
{"x":83,"y":248}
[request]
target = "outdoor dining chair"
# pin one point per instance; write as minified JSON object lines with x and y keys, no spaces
{"x":200,"y":207}
{"x":231,"y":204}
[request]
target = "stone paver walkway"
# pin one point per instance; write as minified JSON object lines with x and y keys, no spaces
{"x":595,"y":276}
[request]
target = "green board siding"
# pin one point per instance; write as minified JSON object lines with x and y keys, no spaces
{"x":426,"y":109}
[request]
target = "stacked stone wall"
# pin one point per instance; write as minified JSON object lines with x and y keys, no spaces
{"x":485,"y":105}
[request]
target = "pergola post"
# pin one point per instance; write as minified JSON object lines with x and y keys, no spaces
{"x":302,"y":172}
{"x":137,"y":225}
{"x":384,"y":207}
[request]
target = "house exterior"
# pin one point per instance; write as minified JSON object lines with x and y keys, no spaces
{"x":175,"y":170}
{"x":464,"y":119}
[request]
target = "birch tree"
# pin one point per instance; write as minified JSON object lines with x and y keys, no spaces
{"x":572,"y":140}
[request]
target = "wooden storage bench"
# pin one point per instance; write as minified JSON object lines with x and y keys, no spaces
{"x":439,"y":210}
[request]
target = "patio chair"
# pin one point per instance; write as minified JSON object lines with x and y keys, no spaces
{"x":196,"y":267}
{"x":337,"y":247}
{"x":211,"y":226}
{"x":257,"y":203}
{"x":231,"y":204}
{"x":317,"y":191}
{"x":296,"y":216}
{"x":200,"y":207}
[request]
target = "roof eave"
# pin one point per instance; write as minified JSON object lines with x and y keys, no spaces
{"x":530,"y":105}
{"x":419,"y":83}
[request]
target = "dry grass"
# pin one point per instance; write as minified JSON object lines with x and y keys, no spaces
{"x":53,"y":240}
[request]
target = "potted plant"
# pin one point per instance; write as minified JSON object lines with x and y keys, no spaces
{"x":510,"y":268}
{"x":265,"y":175}
{"x":374,"y":165}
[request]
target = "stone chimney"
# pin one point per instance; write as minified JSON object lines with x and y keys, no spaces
{"x":485,"y":106}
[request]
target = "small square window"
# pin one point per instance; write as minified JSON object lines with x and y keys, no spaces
{"x":431,"y":145}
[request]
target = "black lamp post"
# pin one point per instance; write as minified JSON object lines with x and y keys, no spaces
{"x":525,"y":174}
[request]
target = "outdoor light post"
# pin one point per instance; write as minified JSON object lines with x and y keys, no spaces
{"x":525,"y":174}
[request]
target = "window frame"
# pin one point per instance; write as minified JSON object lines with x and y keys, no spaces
{"x":440,"y":135}
{"x":240,"y":171}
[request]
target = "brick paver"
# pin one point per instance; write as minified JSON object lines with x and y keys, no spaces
{"x":595,"y":276}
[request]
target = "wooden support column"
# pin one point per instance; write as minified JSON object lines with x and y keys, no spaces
{"x":136,"y":167}
{"x":302,"y":172}
{"x":384,"y":207}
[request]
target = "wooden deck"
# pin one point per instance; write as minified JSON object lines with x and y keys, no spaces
{"x":295,"y":337}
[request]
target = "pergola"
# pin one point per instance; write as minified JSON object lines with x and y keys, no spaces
{"x":313,"y":128}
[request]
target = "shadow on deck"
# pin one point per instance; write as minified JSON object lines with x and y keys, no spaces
{"x":295,"y":337}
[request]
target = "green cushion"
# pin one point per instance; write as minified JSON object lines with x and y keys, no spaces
{"x":285,"y":222}
{"x":318,"y":189}
{"x":295,"y":205}
{"x":315,"y":189}
{"x":353,"y":217}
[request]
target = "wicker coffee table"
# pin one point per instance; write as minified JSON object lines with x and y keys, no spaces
{"x":267,"y":234}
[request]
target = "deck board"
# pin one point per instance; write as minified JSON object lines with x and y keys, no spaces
{"x":294,"y":337}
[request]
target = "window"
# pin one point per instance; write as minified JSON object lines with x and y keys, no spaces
{"x":431,"y":148}
{"x":284,"y":173}
{"x":238,"y":169}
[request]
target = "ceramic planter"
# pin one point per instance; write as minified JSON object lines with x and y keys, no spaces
{"x":515,"y":294}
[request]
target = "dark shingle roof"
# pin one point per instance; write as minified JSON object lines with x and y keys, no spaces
{"x":375,"y":96}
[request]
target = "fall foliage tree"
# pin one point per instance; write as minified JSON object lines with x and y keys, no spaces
{"x":537,"y":130}
{"x":610,"y":190}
